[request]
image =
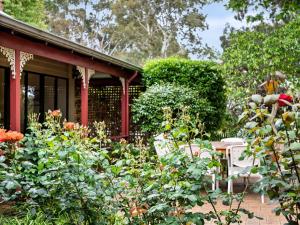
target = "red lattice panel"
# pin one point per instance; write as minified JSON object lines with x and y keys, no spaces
{"x":105,"y":105}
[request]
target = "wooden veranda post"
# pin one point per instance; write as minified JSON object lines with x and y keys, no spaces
{"x":125,"y":104}
{"x":15,"y":94}
{"x":17,"y":60}
{"x":125,"y":108}
{"x":84,"y":96}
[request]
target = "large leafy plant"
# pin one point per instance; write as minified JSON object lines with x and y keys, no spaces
{"x":272,"y":125}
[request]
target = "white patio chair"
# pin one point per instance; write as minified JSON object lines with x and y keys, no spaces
{"x":234,"y":141}
{"x":202,"y":154}
{"x":237,"y":167}
{"x":162,"y":146}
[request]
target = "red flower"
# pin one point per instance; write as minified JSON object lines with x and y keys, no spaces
{"x":283,"y":98}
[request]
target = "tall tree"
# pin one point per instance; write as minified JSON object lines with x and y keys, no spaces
{"x":29,"y":11}
{"x":274,"y":10}
{"x":160,"y":28}
{"x":256,"y":51}
{"x":252,"y":55}
{"x":131,"y":29}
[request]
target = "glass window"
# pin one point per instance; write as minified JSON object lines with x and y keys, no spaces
{"x":4,"y":98}
{"x":50,"y":94}
{"x":41,"y":93}
{"x":33,"y":94}
{"x":62,"y":96}
{"x":2,"y":87}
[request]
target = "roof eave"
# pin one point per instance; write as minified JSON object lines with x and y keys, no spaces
{"x":18,"y":26}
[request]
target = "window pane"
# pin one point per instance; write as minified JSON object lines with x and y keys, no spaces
{"x":2,"y":86}
{"x":33,"y":93}
{"x":49,"y":89}
{"x":23,"y":92}
{"x":62,"y":96}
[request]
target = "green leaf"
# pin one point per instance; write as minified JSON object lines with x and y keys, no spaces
{"x":10,"y":185}
{"x":295,"y":146}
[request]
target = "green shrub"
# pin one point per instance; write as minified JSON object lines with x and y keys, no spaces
{"x":204,"y":77}
{"x":61,"y":175}
{"x":147,"y":109}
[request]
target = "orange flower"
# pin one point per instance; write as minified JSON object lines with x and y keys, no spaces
{"x":69,"y":126}
{"x":137,"y":211}
{"x":2,"y":134}
{"x":55,"y":113}
{"x":11,"y":136}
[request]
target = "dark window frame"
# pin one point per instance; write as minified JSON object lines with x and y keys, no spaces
{"x":6,"y":123}
{"x":42,"y":95}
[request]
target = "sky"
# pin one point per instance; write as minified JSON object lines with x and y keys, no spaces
{"x":217,"y":17}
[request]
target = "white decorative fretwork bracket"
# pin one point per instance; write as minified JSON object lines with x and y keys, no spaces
{"x":123,"y":84}
{"x":11,"y":58}
{"x":24,"y":58}
{"x":85,"y":79}
{"x":82,"y":74}
{"x":10,"y":55}
{"x":90,"y":74}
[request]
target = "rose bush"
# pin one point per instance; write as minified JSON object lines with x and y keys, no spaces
{"x":272,"y":127}
{"x":62,"y":171}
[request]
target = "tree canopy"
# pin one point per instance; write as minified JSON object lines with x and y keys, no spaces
{"x":29,"y":11}
{"x":252,"y":55}
{"x":135,"y":30}
{"x":253,"y":10}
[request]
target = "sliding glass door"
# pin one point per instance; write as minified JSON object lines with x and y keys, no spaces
{"x":42,"y":93}
{"x":4,"y":97}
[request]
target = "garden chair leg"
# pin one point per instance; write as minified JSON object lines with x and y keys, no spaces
{"x":262,"y":198}
{"x":230,"y":186}
{"x":213,"y":177}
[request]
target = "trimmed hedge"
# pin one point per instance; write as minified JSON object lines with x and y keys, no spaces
{"x":204,"y":77}
{"x":148,"y":108}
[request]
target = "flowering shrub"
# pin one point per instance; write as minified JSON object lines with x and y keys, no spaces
{"x":272,"y":124}
{"x":62,"y":170}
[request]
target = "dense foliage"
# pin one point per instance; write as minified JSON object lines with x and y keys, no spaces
{"x":29,"y":11}
{"x":253,"y":55}
{"x":272,"y":125}
{"x":147,"y":109}
{"x":60,"y":174}
{"x":254,"y":10}
{"x":203,"y":77}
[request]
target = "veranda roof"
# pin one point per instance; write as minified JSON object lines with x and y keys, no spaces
{"x":17,"y":26}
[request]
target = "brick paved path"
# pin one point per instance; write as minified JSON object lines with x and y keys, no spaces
{"x":252,"y":203}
